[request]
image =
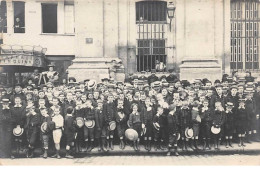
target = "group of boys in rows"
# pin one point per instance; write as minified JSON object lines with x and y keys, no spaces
{"x":161,"y":111}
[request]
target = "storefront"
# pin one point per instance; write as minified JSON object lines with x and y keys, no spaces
{"x":17,"y":61}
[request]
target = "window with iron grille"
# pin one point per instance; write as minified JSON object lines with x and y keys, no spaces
{"x":244,"y":35}
{"x":151,"y":37}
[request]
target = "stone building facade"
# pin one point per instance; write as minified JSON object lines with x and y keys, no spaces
{"x":98,"y":38}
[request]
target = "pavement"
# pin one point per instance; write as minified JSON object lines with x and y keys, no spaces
{"x":249,"y":155}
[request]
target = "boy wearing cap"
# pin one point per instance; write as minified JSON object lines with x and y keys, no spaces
{"x":229,"y":124}
{"x":206,"y":122}
{"x":6,"y":128}
{"x":32,"y":129}
{"x":147,"y":114}
{"x":45,"y":136}
{"x":218,"y":119}
{"x":251,"y":116}
{"x":121,"y":122}
{"x":89,"y":132}
{"x":173,"y":129}
{"x":135,"y":123}
{"x":79,"y":111}
{"x":18,"y":113}
{"x":185,"y":122}
{"x":241,"y":122}
{"x":100,"y":128}
{"x":196,"y":120}
{"x":70,"y":131}
{"x":157,"y":130}
{"x":109,"y":110}
{"x":57,"y":132}
{"x":69,"y":102}
{"x":18,"y":93}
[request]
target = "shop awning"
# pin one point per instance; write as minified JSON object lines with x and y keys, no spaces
{"x":22,"y":56}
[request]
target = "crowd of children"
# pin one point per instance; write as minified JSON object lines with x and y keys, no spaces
{"x":163,"y":113}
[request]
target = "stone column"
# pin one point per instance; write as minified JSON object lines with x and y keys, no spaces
{"x":201,"y":57}
{"x":131,"y":37}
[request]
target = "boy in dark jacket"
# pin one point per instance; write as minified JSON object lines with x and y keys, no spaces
{"x":229,"y":124}
{"x":45,"y":136}
{"x":241,"y":121}
{"x":218,"y":116}
{"x":251,"y":116}
{"x":6,"y":129}
{"x":101,"y":127}
{"x":32,"y":129}
{"x":121,"y":122}
{"x":89,"y":132}
{"x":173,"y":129}
{"x":185,"y":122}
{"x":147,"y":114}
{"x":206,"y":122}
{"x":18,"y":113}
{"x":70,"y":131}
{"x":109,"y":111}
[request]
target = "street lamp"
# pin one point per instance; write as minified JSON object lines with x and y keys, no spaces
{"x":170,"y":11}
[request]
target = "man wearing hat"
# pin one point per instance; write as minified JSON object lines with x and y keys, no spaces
{"x":152,"y":78}
{"x":6,"y":128}
{"x":143,"y":77}
{"x":172,"y":76}
{"x":218,"y":97}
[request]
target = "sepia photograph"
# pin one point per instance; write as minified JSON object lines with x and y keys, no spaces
{"x":129,"y":82}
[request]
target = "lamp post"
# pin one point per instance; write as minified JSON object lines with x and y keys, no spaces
{"x":170,"y":12}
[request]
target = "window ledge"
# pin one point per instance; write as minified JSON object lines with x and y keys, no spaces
{"x":58,"y":34}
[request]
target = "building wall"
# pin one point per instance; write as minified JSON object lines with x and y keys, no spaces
{"x":56,"y":44}
{"x":107,"y":29}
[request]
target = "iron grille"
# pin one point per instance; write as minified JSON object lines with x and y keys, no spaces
{"x":151,"y":36}
{"x":244,"y":35}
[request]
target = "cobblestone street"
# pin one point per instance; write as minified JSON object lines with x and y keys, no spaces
{"x":235,"y":159}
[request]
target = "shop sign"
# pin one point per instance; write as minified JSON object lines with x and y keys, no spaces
{"x":21,"y":60}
